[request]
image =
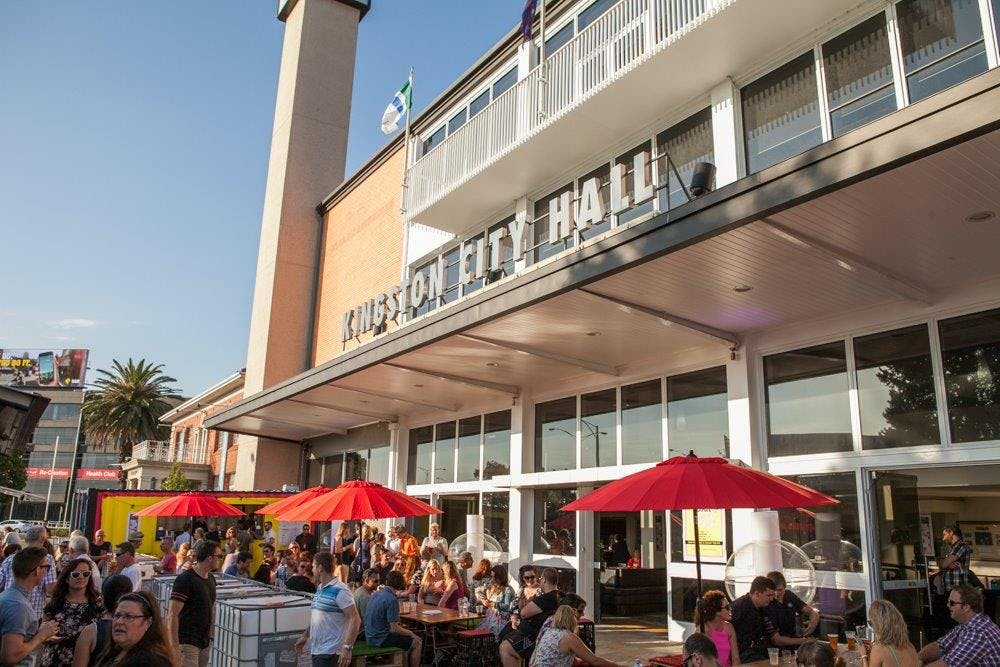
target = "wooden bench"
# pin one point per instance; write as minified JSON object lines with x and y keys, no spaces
{"x":363,"y":655}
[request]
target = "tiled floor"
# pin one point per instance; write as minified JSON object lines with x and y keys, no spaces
{"x":622,"y":640}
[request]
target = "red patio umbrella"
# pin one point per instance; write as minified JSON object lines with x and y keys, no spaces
{"x":285,"y":504}
{"x":191,"y":503}
{"x":693,"y":483}
{"x":357,"y":500}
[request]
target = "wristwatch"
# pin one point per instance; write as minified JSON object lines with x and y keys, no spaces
{"x":348,"y":647}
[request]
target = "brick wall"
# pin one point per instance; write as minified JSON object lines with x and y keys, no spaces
{"x":362,"y":254}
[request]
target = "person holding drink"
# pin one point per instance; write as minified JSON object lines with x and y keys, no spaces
{"x":893,"y":648}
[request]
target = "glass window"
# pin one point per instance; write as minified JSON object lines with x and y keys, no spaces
{"x":807,"y":401}
{"x":496,"y":444}
{"x":859,"y":75}
{"x":451,"y":259}
{"x":378,"y":465}
{"x":942,"y":44}
{"x":458,"y":120}
{"x":47,"y":435}
{"x":61,"y":412}
{"x":477,"y":283}
{"x":684,"y":596}
{"x":698,"y":413}
{"x":688,"y":142}
{"x":598,"y":435}
{"x":356,"y":465}
{"x":603,"y":176}
{"x":628,"y":188}
{"x":781,"y":114}
{"x":830,"y":534}
{"x":478,"y":104}
{"x":896,"y":389}
{"x":642,"y":423}
{"x":970,"y":349}
{"x":444,"y":452}
{"x":469,"y":436}
{"x":593,"y":12}
{"x":540,"y":246}
{"x":677,"y":537}
{"x":556,"y":534}
{"x":555,"y":435}
{"x":333,"y":470}
{"x":314,"y":475}
{"x":496,"y":517}
{"x":504,"y":83}
{"x":559,"y":39}
{"x":418,"y":457}
{"x":433,"y":140}
{"x":506,"y":253}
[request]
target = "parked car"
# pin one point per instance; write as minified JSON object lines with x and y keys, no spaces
{"x":17,"y":525}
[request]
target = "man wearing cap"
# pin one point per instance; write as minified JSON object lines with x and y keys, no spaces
{"x":35,"y":537}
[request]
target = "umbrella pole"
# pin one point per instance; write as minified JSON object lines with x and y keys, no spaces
{"x":697,"y":551}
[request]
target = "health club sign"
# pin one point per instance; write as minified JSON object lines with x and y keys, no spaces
{"x":565,"y":216}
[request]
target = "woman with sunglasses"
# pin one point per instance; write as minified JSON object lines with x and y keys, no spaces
{"x":138,"y":636}
{"x":529,"y":585}
{"x":713,"y":617}
{"x":75,"y":604}
{"x":97,"y":635}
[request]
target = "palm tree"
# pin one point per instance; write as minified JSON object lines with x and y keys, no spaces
{"x":127,"y":405}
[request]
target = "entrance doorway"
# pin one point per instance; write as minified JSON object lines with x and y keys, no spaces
{"x":630,"y":598}
{"x":911,"y":507}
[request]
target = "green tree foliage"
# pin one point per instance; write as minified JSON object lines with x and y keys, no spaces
{"x":12,"y":471}
{"x":175,"y":480}
{"x":127,"y":405}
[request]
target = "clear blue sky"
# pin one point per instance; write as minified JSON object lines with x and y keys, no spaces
{"x":134,"y":141}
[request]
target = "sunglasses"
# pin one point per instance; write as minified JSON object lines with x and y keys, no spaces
{"x":76,"y":574}
{"x":530,"y":577}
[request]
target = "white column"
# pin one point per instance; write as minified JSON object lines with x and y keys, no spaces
{"x":521,"y":500}
{"x":739,"y":380}
{"x":727,"y":133}
{"x":398,"y":447}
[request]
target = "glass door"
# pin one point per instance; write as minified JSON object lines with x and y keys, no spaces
{"x":902,"y":563}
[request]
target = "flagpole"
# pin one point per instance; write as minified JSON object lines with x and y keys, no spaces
{"x":406,"y":165}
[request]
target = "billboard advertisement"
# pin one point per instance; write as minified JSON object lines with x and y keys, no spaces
{"x":53,"y":368}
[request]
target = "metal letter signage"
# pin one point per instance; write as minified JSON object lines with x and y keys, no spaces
{"x":475,"y":258}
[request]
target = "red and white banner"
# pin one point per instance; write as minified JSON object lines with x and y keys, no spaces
{"x":56,"y":473}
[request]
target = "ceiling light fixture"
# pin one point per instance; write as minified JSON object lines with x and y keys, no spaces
{"x":980,"y":216}
{"x":418,"y":386}
{"x":742,"y":289}
{"x":493,"y":364}
{"x":593,"y":333}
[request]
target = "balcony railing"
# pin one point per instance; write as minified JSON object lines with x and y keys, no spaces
{"x":606,"y":50}
{"x":161,"y":451}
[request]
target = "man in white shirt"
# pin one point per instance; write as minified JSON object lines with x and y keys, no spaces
{"x":334,"y":620}
{"x":437,"y":543}
{"x":127,"y":567}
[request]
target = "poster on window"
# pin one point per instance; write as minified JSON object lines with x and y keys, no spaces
{"x":711,"y":535}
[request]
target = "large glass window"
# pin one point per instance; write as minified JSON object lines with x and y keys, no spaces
{"x":61,"y":412}
{"x":781,"y":114}
{"x":420,"y":451}
{"x":859,"y":75}
{"x":555,"y":435}
{"x":451,"y":259}
{"x":603,"y":176}
{"x":642,"y":422}
{"x":477,"y":282}
{"x":540,"y":246}
{"x":684,"y":596}
{"x":458,"y":120}
{"x":680,"y":554}
{"x":333,"y":470}
{"x":636,"y":208}
{"x":970,"y":349}
{"x":896,"y":389}
{"x":429,"y":304}
{"x":480,"y":103}
{"x":808,"y":409}
{"x":436,"y":137}
{"x":504,"y":83}
{"x":698,"y":413}
{"x":598,"y":435}
{"x":378,"y":465}
{"x":496,"y":517}
{"x":556,"y":530}
{"x":47,"y":435}
{"x":496,"y":444}
{"x":469,"y":437}
{"x":356,"y":465}
{"x":688,"y":143}
{"x":593,"y":12}
{"x":559,"y":39}
{"x":444,"y":452}
{"x":831,"y":534}
{"x":942,"y":44}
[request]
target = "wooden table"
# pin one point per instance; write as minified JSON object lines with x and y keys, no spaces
{"x":433,"y":622}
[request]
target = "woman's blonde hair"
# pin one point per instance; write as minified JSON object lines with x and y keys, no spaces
{"x":450,"y":570}
{"x":889,"y":624}
{"x":565,"y":618}
{"x":428,"y":577}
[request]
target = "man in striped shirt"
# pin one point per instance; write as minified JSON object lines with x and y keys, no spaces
{"x":334,"y":620}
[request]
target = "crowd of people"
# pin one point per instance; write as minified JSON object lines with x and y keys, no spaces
{"x":765,"y":619}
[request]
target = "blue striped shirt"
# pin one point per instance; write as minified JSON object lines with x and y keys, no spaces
{"x":327,"y":620}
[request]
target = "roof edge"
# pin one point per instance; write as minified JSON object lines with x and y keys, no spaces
{"x":226,"y":386}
